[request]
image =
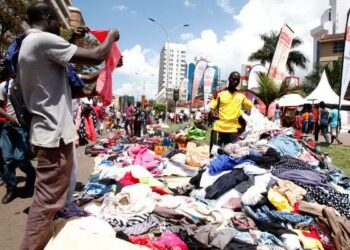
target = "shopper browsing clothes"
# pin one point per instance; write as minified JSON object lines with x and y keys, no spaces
{"x":226,"y":109}
{"x":14,"y":144}
{"x":322,"y":122}
{"x":42,"y":62}
{"x":130,"y":119}
{"x":335,"y":125}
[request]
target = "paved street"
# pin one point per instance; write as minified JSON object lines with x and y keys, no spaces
{"x":13,"y":215}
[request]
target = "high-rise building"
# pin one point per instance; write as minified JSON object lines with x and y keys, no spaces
{"x":175,"y":55}
{"x":333,"y":21}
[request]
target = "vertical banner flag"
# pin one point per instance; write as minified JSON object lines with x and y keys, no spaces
{"x":198,"y":76}
{"x":346,"y":62}
{"x":208,"y":81}
{"x":183,"y":88}
{"x":278,"y":64}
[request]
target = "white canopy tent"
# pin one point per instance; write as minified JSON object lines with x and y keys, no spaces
{"x":324,"y":92}
{"x":291,"y":100}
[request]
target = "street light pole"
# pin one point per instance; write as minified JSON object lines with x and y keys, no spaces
{"x":167,"y":35}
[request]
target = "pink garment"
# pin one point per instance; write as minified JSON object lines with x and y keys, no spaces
{"x":104,"y":81}
{"x":130,"y":112}
{"x":172,"y":241}
{"x":142,"y":156}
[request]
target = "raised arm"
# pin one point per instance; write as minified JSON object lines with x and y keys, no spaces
{"x":98,"y":54}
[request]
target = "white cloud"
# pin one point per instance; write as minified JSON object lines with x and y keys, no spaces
{"x":189,"y":3}
{"x":257,"y":17}
{"x":134,"y":12}
{"x":120,"y":7}
{"x":186,"y":36}
{"x":139,"y":66}
{"x":226,"y":5}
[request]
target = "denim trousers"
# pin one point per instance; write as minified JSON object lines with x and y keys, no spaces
{"x":15,"y":148}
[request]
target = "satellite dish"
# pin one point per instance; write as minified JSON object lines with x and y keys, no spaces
{"x":253,"y":76}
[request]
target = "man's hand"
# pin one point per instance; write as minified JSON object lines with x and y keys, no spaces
{"x":215,"y":114}
{"x":115,"y":34}
{"x":78,"y":33}
{"x":13,"y":120}
{"x":120,"y":63}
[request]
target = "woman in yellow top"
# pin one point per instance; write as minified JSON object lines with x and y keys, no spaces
{"x":226,"y":109}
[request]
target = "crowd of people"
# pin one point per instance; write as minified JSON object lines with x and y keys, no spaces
{"x":57,"y":123}
{"x":319,"y":119}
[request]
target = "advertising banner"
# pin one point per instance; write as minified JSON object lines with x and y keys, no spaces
{"x":208,"y":81}
{"x":198,"y":76}
{"x":183,"y":88}
{"x":278,"y":65}
{"x":346,"y":62}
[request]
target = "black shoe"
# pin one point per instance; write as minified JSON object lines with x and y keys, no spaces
{"x":9,"y":196}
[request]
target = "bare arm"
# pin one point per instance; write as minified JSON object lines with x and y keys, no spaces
{"x":8,"y":117}
{"x":98,"y":54}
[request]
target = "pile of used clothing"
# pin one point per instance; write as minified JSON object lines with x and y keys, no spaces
{"x":267,"y":191}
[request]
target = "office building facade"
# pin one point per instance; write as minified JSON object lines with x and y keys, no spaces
{"x":175,"y":55}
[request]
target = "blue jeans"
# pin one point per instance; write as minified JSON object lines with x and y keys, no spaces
{"x":305,"y":127}
{"x":15,"y":147}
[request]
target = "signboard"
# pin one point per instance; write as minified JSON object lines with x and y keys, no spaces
{"x":278,"y":64}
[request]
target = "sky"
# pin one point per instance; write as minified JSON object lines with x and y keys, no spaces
{"x":224,"y":31}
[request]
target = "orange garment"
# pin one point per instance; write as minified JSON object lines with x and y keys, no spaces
{"x":305,"y":116}
{"x":89,"y":128}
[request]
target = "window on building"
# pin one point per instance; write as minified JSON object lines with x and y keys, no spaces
{"x":338,"y":47}
{"x":329,"y":16}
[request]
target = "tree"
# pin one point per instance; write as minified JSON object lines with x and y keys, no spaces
{"x":333,"y":72}
{"x":265,"y":53}
{"x":12,"y":17}
{"x":269,"y":91}
{"x":85,"y":42}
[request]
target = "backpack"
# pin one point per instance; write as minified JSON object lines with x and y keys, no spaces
{"x":24,"y":117}
{"x":75,"y":82}
{"x":11,"y":57}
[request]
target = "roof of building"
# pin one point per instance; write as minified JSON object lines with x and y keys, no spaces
{"x":332,"y":37}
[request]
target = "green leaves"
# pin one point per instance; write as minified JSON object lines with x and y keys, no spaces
{"x":265,"y":53}
{"x":269,"y":90}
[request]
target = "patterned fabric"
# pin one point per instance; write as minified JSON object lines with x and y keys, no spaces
{"x":288,"y":163}
{"x":329,"y":197}
{"x":119,"y":224}
{"x":265,"y":214}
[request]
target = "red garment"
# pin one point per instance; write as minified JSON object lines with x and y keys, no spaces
{"x":315,"y":113}
{"x":99,"y":112}
{"x":144,"y":240}
{"x":159,"y":190}
{"x":3,"y":119}
{"x":104,"y":81}
{"x":322,"y":234}
{"x":89,"y":128}
{"x":128,"y":179}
